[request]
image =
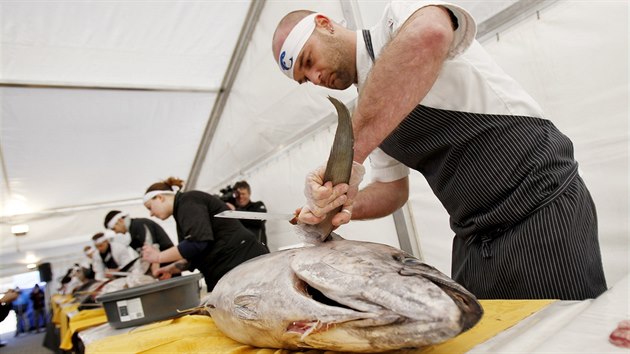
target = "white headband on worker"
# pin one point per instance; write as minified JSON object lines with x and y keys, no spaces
{"x":294,"y":43}
{"x":150,"y":195}
{"x":114,"y":220}
{"x":100,"y":240}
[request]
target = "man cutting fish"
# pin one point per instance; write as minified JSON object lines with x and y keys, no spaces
{"x":431,"y":99}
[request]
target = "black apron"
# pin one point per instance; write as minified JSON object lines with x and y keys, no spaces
{"x":108,"y":259}
{"x":524,"y":222}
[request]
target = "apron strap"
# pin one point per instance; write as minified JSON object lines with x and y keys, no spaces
{"x":368,"y":43}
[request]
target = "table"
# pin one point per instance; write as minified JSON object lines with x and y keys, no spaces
{"x":69,"y":320}
{"x":197,"y":333}
{"x":508,"y":326}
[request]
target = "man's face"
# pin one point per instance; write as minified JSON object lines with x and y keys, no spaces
{"x":102,"y":247}
{"x":325,"y":61}
{"x":120,"y":227}
{"x":243,"y":197}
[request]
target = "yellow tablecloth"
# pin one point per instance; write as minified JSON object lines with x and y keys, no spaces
{"x":82,"y":320}
{"x":64,"y":321}
{"x":57,"y":301}
{"x":198,"y":334}
{"x":62,"y":307}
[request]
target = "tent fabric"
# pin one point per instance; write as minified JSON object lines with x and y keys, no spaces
{"x":101,"y":99}
{"x":134,"y":44}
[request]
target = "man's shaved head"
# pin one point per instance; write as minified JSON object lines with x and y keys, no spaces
{"x":284,"y":28}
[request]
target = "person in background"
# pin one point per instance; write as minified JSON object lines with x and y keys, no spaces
{"x":136,"y":232}
{"x":65,"y":286}
{"x":38,"y":299}
{"x":111,"y":257}
{"x":88,"y":263}
{"x":431,"y":99}
{"x":244,"y":203}
{"x":20,"y":307}
{"x":212,"y":245}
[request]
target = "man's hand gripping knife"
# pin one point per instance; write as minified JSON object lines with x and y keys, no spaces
{"x":322,"y":198}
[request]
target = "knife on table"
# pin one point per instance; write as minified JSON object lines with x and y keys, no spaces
{"x":251,"y":215}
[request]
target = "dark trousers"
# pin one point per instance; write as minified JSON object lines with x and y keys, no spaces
{"x":39,"y":318}
{"x":21,"y":318}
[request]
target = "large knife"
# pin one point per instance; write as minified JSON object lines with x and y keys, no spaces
{"x":251,"y":215}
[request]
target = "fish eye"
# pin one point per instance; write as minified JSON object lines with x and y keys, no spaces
{"x":398,"y":257}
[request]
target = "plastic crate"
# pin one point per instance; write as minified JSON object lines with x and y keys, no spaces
{"x":152,"y":302}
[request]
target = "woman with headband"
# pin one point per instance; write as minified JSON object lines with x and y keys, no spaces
{"x":136,"y":232}
{"x":212,"y":245}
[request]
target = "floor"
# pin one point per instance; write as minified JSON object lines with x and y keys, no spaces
{"x":30,"y":343}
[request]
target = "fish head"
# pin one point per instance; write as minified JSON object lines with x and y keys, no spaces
{"x":341,"y":295}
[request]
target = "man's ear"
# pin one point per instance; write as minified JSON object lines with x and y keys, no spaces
{"x":323,"y":22}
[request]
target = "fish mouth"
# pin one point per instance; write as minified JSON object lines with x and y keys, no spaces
{"x":309,"y":326}
{"x":378,"y":316}
{"x":316,"y":295}
{"x":385,"y":305}
{"x":470,"y":311}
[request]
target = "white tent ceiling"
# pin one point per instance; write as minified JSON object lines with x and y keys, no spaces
{"x":99,"y":99}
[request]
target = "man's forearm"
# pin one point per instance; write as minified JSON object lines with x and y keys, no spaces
{"x":380,"y":199}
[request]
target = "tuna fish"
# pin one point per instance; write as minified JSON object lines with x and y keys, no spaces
{"x":340,"y":295}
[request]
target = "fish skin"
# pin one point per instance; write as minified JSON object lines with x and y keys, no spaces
{"x":340,"y":295}
{"x":352,"y":296}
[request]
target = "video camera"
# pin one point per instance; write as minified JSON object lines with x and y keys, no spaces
{"x":228,"y":195}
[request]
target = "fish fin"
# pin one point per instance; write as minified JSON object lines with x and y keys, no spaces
{"x":339,"y":166}
{"x":245,"y":307}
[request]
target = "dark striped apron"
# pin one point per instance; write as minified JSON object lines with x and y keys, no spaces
{"x":525,"y":224}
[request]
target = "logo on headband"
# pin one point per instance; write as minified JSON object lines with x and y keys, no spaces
{"x":283,"y":64}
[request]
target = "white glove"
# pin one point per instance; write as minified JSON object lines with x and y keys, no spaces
{"x":322,"y":198}
{"x":343,"y":217}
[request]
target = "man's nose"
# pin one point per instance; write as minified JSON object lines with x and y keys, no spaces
{"x":314,"y":76}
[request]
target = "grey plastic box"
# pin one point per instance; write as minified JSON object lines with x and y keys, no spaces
{"x":152,"y":302}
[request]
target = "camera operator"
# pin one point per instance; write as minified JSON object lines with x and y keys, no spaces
{"x":241,"y":195}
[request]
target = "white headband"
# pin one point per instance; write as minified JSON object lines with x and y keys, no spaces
{"x":100,"y":240}
{"x":294,"y":43}
{"x":114,"y":220}
{"x":150,"y":195}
